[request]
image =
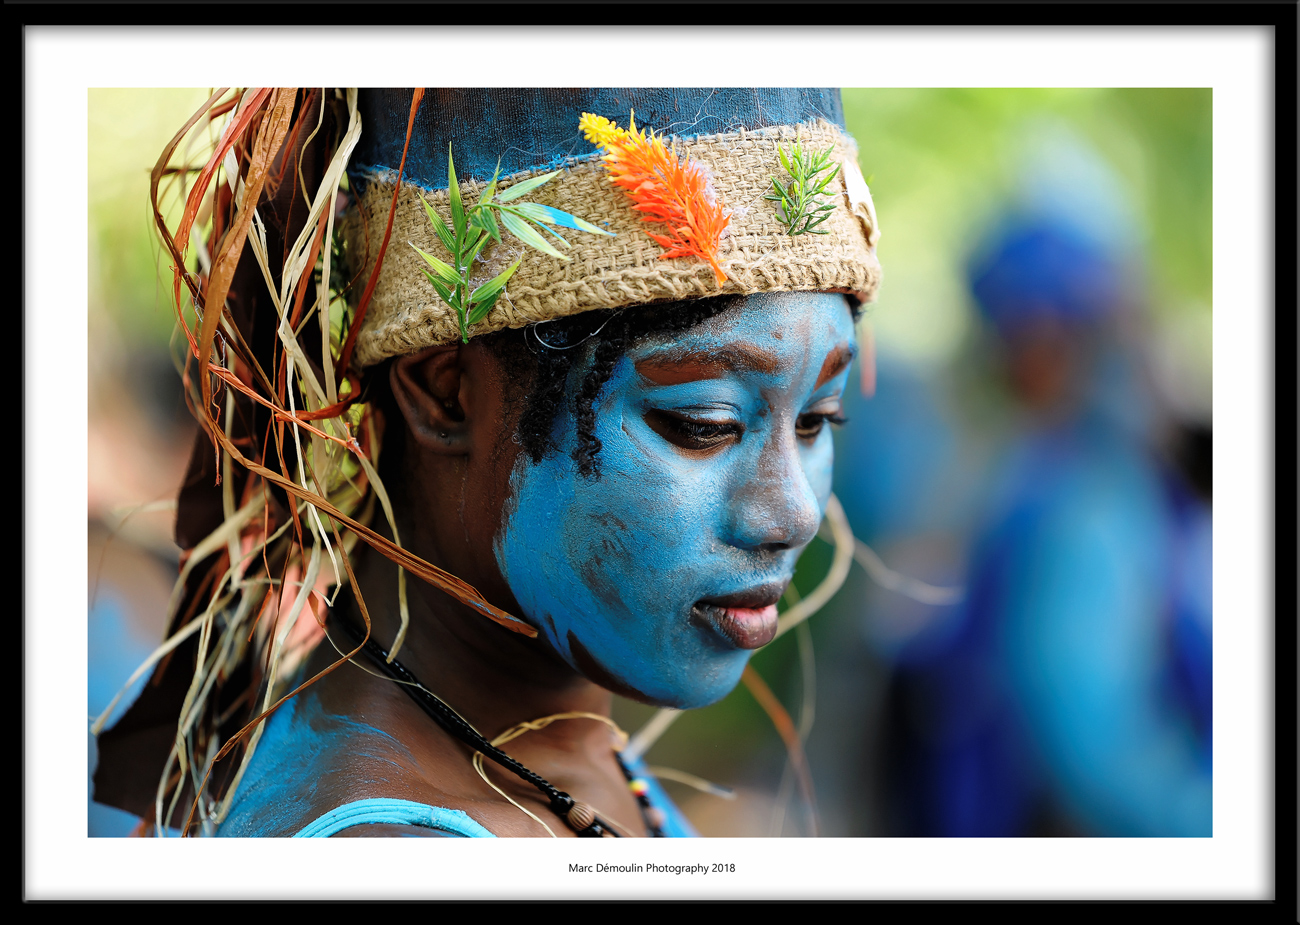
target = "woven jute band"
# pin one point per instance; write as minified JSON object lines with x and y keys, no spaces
{"x":757,"y":254}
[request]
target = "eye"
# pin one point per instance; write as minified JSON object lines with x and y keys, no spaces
{"x":691,"y":433}
{"x":809,"y":425}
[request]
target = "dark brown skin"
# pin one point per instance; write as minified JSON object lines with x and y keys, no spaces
{"x":456,"y":473}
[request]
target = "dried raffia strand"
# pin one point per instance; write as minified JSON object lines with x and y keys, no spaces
{"x":789,"y":734}
{"x":265,"y":146}
{"x":841,"y":561}
{"x":167,"y":645}
{"x":381,"y":493}
{"x":477,"y":761}
{"x":256,"y":722}
{"x":807,"y":714}
{"x":891,"y":580}
{"x":205,"y":674}
{"x":345,"y":355}
{"x":431,"y":573}
{"x":579,"y":810}
{"x":326,"y":393}
{"x":330,"y":480}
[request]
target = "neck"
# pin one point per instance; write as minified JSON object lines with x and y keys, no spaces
{"x":492,"y":677}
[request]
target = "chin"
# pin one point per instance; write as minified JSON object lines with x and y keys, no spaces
{"x":683,"y":683}
{"x":705,"y":695}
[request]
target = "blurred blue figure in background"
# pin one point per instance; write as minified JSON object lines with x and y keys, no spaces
{"x":906,"y":476}
{"x":1069,"y":693}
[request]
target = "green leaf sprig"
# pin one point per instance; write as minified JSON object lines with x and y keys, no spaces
{"x":472,"y":228}
{"x":801,"y":207}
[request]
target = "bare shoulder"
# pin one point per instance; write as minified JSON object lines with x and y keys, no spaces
{"x":311,"y":763}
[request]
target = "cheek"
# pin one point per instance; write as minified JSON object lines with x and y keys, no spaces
{"x":521,"y":547}
{"x":818,"y":466}
{"x":626,"y":535}
{"x":591,"y":556}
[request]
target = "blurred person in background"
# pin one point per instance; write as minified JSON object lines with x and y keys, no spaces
{"x":1069,"y":692}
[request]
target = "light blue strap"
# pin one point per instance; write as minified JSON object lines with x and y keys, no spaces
{"x":393,"y":812}
{"x":676,"y":825}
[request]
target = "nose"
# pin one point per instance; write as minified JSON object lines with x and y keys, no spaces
{"x":775,"y":507}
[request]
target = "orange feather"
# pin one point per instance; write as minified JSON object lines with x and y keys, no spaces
{"x":665,"y":188}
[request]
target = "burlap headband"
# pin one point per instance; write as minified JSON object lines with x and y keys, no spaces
{"x":757,"y":254}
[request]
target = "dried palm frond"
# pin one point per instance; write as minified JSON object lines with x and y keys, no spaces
{"x":283,"y":481}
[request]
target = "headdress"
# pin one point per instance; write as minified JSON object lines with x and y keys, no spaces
{"x":460,"y":212}
{"x":679,"y":183}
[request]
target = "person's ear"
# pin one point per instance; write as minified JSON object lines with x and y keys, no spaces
{"x":429,"y":387}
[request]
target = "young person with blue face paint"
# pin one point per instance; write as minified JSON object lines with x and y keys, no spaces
{"x":628,"y":458}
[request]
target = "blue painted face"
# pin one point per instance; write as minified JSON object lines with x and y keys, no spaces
{"x":660,"y":578}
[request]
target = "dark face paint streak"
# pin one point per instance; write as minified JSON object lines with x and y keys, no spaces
{"x":691,"y":366}
{"x":595,"y":672}
{"x":836,"y":360}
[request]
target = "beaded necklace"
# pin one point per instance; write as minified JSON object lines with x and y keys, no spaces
{"x":654,"y":818}
{"x":580,"y":817}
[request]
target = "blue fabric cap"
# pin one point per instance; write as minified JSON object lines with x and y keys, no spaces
{"x":530,"y":128}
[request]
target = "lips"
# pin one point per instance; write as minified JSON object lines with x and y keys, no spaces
{"x":747,"y":619}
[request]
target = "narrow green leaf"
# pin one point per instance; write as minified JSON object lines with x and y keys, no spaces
{"x":540,"y":213}
{"x":559,"y":237}
{"x":439,"y":226}
{"x":488,"y":221}
{"x":453,"y":193}
{"x":526,"y":233}
{"x":473,"y":253}
{"x":443,"y":292}
{"x":446,"y":273}
{"x":476,"y":219}
{"x":492,"y":288}
{"x":480,"y":311}
{"x":526,"y":186}
{"x":826,"y":182}
{"x":490,"y":189}
{"x":471,"y":236}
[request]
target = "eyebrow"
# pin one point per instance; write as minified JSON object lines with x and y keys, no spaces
{"x":836,"y":361}
{"x":675,"y":368}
